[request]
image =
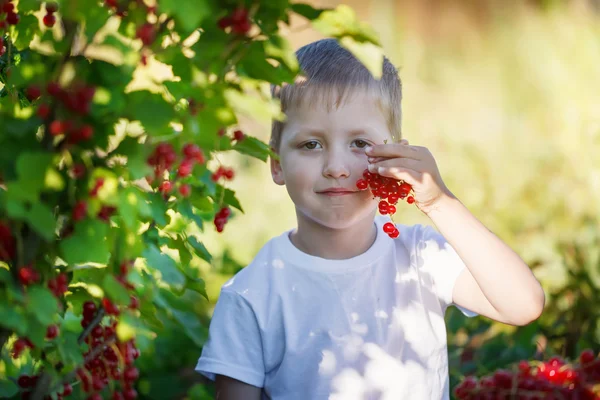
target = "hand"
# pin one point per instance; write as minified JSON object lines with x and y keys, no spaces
{"x":413,"y":164}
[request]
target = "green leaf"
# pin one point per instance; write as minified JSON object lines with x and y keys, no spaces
{"x":88,"y":243}
{"x":188,"y":14}
{"x":151,"y":110}
{"x":115,"y":290}
{"x":202,"y":252}
{"x":369,"y":54}
{"x":228,"y":196}
{"x":129,"y":205}
{"x":158,"y":208}
{"x":43,"y":304}
{"x":13,"y":318}
{"x":342,"y":21}
{"x":42,"y":220}
{"x":68,"y":348}
{"x":191,"y":325}
{"x":8,"y":389}
{"x":31,"y":168}
{"x":307,"y":11}
{"x":185,"y":209}
{"x":252,"y":106}
{"x":253,"y":147}
{"x":27,"y":28}
{"x":184,"y":253}
{"x":197,"y":285}
{"x":165,"y":265}
{"x":5,"y":275}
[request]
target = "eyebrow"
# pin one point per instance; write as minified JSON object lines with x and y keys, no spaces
{"x":320,"y":133}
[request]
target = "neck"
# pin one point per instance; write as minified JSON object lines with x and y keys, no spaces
{"x":334,"y":244}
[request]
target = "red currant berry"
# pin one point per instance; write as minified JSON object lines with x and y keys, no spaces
{"x":33,"y":92}
{"x":86,"y":132}
{"x":24,"y":381}
{"x":238,"y":135}
{"x":130,"y":394}
{"x":109,"y":307}
{"x":410,"y":200}
{"x":43,"y":111}
{"x":394,"y":234}
{"x":185,"y":190}
{"x":51,"y":332}
{"x":391,"y":209}
{"x":586,"y":356}
{"x":51,"y":7}
{"x":185,"y":169}
{"x":131,"y":374}
{"x":361,"y":184}
{"x":49,"y":20}
{"x":80,"y":210}
{"x":388,"y":227}
{"x":57,"y":128}
{"x":224,"y":22}
{"x":12,"y":18}
{"x":146,"y":34}
{"x":8,"y":7}
{"x":28,"y":275}
{"x":67,"y":389}
{"x":165,"y":187}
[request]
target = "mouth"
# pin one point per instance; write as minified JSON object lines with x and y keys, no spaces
{"x":337,"y":192}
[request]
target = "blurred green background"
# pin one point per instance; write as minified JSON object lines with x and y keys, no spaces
{"x":506,"y":95}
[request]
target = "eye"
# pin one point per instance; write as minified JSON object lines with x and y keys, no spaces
{"x":361,"y":144}
{"x":311,"y":145}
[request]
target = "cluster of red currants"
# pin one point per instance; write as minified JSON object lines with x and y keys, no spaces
{"x":80,"y":209}
{"x":162,"y":160}
{"x":553,"y":379}
{"x":389,"y":191}
{"x":221,"y":218}
{"x":50,"y":19}
{"x":8,"y":16}
{"x":238,"y":21}
{"x":8,"y":244}
{"x":77,"y":100}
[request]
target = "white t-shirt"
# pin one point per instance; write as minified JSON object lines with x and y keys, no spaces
{"x":370,"y":327}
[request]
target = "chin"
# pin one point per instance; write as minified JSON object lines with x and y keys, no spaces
{"x":338,"y":220}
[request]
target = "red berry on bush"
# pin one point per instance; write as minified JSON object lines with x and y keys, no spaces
{"x":49,"y":20}
{"x":24,"y":381}
{"x":109,"y":307}
{"x":12,"y":18}
{"x":130,"y":394}
{"x":51,"y":7}
{"x":43,"y":111}
{"x":67,"y":389}
{"x":238,"y":135}
{"x":185,"y":169}
{"x":51,"y":332}
{"x":33,"y":92}
{"x":165,"y":187}
{"x":80,"y":210}
{"x":8,"y":7}
{"x":146,"y":34}
{"x":28,"y":275}
{"x":185,"y":190}
{"x":586,"y":356}
{"x":57,"y":128}
{"x":78,"y":171}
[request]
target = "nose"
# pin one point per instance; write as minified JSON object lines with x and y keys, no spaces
{"x":336,"y":165}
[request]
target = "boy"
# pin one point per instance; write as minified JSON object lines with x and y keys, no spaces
{"x":336,"y":308}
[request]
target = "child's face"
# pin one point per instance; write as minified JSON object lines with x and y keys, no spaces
{"x":321,"y":150}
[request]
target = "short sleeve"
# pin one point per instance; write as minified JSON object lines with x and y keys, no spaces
{"x":443,"y":263}
{"x":234,"y":345}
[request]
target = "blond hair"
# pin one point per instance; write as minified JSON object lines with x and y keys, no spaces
{"x":330,"y":73}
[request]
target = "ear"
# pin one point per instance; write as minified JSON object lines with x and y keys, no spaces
{"x":277,"y":172}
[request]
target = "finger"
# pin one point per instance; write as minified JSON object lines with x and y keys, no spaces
{"x":408,"y":175}
{"x":394,"y":150}
{"x":396,"y":162}
{"x":373,"y":160}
